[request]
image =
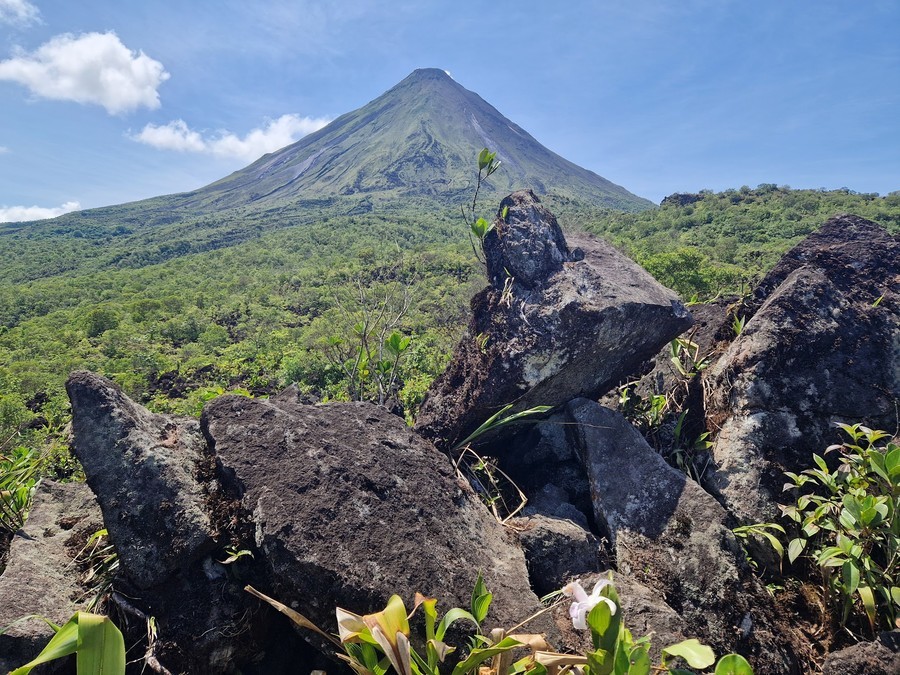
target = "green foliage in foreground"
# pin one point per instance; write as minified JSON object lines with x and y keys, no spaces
{"x":847,"y":521}
{"x":98,"y":646}
{"x":376,"y":644}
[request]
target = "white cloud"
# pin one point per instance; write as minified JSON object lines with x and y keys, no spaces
{"x":90,"y":68}
{"x":3,"y":149}
{"x":273,"y":135}
{"x":18,"y":12}
{"x":15,"y":214}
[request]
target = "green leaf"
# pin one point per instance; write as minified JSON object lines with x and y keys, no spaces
{"x":895,"y":595}
{"x":97,"y":643}
{"x":599,"y":620}
{"x":479,"y":656}
{"x":850,"y":577}
{"x":639,"y":662}
{"x":795,"y":548}
{"x":101,"y":647}
{"x":451,"y":617}
{"x":868,"y":601}
{"x":601,"y":662}
{"x":64,"y":643}
{"x":733,"y":664}
{"x":697,"y":655}
{"x":481,"y":599}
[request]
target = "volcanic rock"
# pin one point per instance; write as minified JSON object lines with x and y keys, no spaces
{"x":673,"y":536}
{"x":823,"y":346}
{"x":41,"y":578}
{"x":557,"y":322}
{"x":350,"y":506}
{"x":144,"y":470}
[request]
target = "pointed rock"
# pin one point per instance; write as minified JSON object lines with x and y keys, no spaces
{"x":557,"y":322}
{"x":144,"y":470}
{"x":822,"y":346}
{"x":674,"y":537}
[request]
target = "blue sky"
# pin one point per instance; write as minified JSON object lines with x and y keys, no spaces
{"x":106,"y":102}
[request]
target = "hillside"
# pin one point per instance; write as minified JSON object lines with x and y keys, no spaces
{"x":411,"y":150}
{"x":705,"y":243}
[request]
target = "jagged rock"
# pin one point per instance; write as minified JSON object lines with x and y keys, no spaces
{"x":820,"y":348}
{"x":879,"y":657}
{"x":553,"y":501}
{"x":541,"y":462}
{"x":350,"y":506}
{"x":565,"y":323}
{"x":556,"y":549}
{"x":673,"y":536}
{"x":144,"y":470}
{"x":41,"y":577}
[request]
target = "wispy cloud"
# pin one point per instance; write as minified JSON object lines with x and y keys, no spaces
{"x":18,"y":12}
{"x":90,"y":68}
{"x":274,"y":134}
{"x":15,"y":214}
{"x":3,"y":149}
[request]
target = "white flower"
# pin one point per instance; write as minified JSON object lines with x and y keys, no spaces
{"x":582,"y":603}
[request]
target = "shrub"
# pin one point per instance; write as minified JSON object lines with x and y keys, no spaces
{"x":848,"y":522}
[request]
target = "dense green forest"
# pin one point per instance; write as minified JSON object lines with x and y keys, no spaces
{"x":255,"y":304}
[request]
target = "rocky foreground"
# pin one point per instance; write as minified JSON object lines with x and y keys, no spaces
{"x":342,"y":504}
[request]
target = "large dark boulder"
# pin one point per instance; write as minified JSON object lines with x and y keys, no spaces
{"x":559,"y":320}
{"x":672,"y":536}
{"x":42,"y":578}
{"x":822,"y":346}
{"x":350,"y":506}
{"x":145,"y":470}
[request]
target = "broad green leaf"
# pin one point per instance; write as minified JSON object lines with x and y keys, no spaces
{"x":850,"y":577}
{"x":481,"y":599}
{"x":639,"y":662}
{"x":795,"y":548}
{"x":64,"y":643}
{"x":697,"y":655}
{"x":601,"y":662}
{"x":599,"y":620}
{"x":733,"y":664}
{"x":895,"y":595}
{"x":449,"y":618}
{"x":101,"y":647}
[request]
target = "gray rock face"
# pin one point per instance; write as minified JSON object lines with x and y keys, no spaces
{"x":818,"y":350}
{"x":566,"y":327}
{"x":671,"y":535}
{"x":41,"y":577}
{"x":879,"y":657}
{"x":350,"y":506}
{"x":556,"y":549}
{"x":144,"y":470}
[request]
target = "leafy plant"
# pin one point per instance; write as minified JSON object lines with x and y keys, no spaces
{"x":20,"y":470}
{"x":685,"y":356}
{"x":847,"y":521}
{"x":98,"y":646}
